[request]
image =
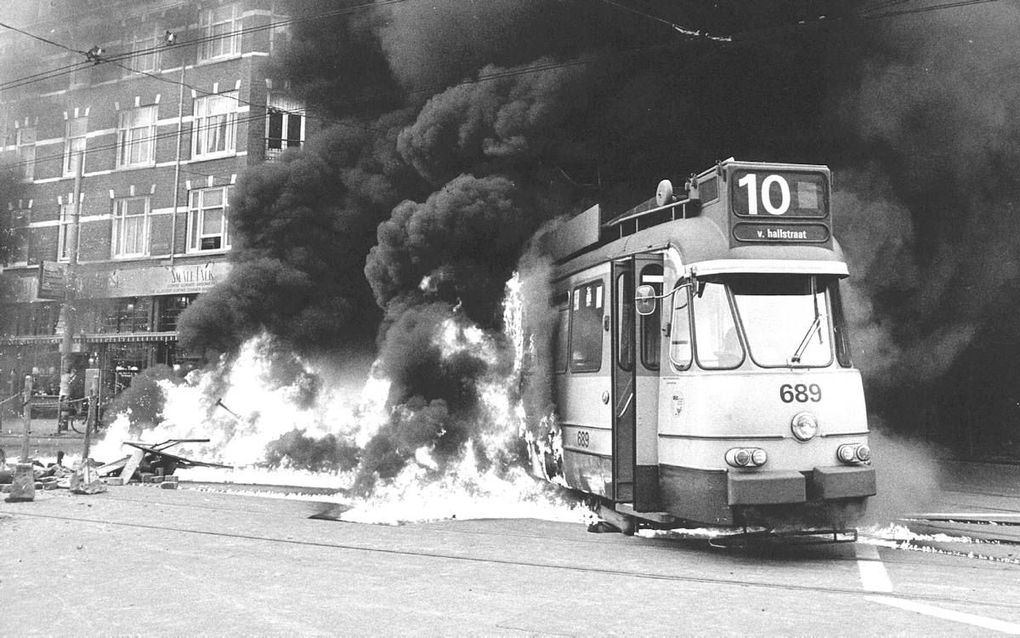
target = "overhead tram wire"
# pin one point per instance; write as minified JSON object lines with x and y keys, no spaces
{"x":866,"y":14}
{"x":192,"y":42}
{"x":742,"y":37}
{"x":246,"y":102}
{"x":51,"y":74}
{"x":100,"y":60}
{"x":41,"y":39}
{"x":883,"y":4}
{"x":690,"y":32}
{"x":114,"y":145}
{"x":925,"y":9}
{"x":738,"y":38}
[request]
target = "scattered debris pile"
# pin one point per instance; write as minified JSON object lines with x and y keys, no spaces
{"x":151,"y":463}
{"x":147,"y":463}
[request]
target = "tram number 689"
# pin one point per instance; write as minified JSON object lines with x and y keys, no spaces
{"x":583,"y":439}
{"x":800,"y":393}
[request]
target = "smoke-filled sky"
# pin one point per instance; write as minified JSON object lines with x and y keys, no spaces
{"x":454,"y":128}
{"x":450,"y":130}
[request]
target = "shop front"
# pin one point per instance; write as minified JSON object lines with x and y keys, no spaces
{"x":125,"y":321}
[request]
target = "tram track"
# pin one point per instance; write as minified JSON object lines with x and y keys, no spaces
{"x":976,"y":549}
{"x":565,"y":567}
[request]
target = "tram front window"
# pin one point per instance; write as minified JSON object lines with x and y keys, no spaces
{"x":716,"y":342}
{"x":785,"y":319}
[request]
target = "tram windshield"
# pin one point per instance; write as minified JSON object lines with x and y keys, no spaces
{"x":786,"y":318}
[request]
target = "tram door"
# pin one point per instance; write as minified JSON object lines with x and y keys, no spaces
{"x":624,"y":396}
{"x":636,"y":346}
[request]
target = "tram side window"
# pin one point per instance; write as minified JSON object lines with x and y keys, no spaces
{"x":587,"y":309}
{"x":680,"y":352}
{"x":650,"y":340}
{"x":560,"y":343}
{"x":717,"y":344}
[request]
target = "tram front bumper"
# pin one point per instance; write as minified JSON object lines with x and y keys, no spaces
{"x":829,"y":483}
{"x":766,"y":488}
{"x":779,"y":487}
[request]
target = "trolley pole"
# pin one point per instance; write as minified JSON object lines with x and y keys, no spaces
{"x":70,"y":293}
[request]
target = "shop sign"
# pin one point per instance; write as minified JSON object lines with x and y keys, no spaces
{"x":156,"y":280}
{"x":52,"y":280}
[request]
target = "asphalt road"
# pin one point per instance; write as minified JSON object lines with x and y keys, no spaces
{"x":140,"y":560}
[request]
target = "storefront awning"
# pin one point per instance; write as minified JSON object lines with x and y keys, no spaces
{"x":123,"y":337}
{"x":130,"y":337}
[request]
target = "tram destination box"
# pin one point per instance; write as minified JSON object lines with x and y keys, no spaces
{"x":779,"y":207}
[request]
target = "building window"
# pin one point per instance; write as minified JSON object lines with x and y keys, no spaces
{"x":144,"y":45}
{"x":64,"y":232}
{"x":221,"y":27}
{"x":170,"y":309}
{"x":279,"y":36}
{"x":130,"y":314}
{"x":207,"y":220}
{"x":26,"y":151}
{"x":136,"y":133}
{"x":6,"y":131}
{"x":285,"y":126}
{"x":17,"y":234}
{"x":74,"y":142}
{"x":43,"y":319}
{"x":215,"y":125}
{"x":130,"y":217}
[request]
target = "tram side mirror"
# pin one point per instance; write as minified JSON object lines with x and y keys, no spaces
{"x":645,"y":300}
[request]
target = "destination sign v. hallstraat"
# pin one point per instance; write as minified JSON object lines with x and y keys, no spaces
{"x":779,"y":207}
{"x":782,"y":233}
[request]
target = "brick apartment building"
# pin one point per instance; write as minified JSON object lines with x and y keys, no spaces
{"x":167,"y":111}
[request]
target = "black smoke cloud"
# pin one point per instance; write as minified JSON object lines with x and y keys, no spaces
{"x":458,"y":128}
{"x":465,"y":238}
{"x":934,"y":116}
{"x":301,"y":228}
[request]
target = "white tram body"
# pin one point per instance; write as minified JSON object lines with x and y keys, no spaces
{"x":701,"y":363}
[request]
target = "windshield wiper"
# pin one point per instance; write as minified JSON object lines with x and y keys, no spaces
{"x":816,"y":325}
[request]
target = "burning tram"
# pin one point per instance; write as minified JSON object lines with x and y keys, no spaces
{"x":701,"y":360}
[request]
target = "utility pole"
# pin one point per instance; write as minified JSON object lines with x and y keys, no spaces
{"x":170,"y":38}
{"x":70,"y":295}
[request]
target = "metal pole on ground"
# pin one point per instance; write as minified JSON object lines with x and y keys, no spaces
{"x":27,"y":405}
{"x":23,"y":483}
{"x":86,"y":480}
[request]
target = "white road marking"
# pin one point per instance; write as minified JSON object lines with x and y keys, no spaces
{"x":947,"y":614}
{"x":874,"y":578}
{"x":873,"y":575}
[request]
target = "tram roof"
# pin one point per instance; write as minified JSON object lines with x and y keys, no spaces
{"x":703,"y":246}
{"x":716,"y":237}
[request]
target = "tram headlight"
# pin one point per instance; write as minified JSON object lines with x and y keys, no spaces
{"x":746,"y":457}
{"x":759,"y":457}
{"x":738,"y":457}
{"x":804,"y":426}
{"x":853,"y":453}
{"x":863,"y":453}
{"x":846,"y":453}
